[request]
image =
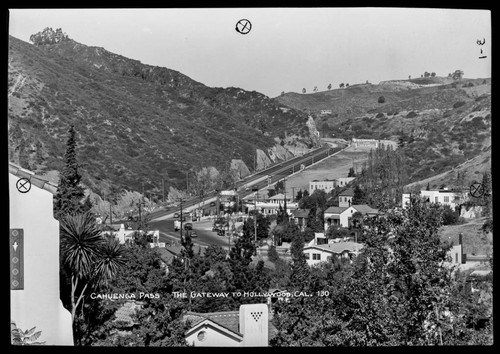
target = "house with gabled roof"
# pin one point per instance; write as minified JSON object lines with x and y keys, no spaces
{"x":248,"y":327}
{"x":340,"y":216}
{"x":345,"y":198}
{"x":317,"y":252}
{"x":299,"y":217}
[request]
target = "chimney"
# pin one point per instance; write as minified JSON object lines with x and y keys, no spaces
{"x":254,"y":323}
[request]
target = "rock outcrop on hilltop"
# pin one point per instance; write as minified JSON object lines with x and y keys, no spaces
{"x":49,"y":36}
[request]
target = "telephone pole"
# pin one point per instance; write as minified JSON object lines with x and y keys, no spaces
{"x":181,"y":220}
{"x":284,"y":188}
{"x":163,"y":188}
{"x":255,"y":214}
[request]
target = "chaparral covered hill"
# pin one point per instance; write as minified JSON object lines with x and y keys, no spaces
{"x":438,"y":122}
{"x":135,"y":123}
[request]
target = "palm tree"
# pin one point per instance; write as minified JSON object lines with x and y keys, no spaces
{"x":90,"y":258}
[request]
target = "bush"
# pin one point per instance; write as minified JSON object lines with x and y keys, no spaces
{"x":381,"y":99}
{"x":380,"y":115}
{"x":458,"y":104}
{"x":412,"y":114}
{"x":273,"y":254}
{"x":450,"y":217}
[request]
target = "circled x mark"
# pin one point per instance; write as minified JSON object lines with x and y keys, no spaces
{"x":243,"y":26}
{"x":23,"y":185}
{"x":476,"y":190}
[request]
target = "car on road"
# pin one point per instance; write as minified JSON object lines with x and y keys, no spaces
{"x":177,"y":224}
{"x":212,"y":204}
{"x":176,"y":215}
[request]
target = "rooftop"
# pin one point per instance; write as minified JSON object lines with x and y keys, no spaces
{"x":347,"y":193}
{"x":38,"y":181}
{"x":335,"y":210}
{"x":279,"y":196}
{"x":301,"y":213}
{"x":227,"y":319}
{"x":365,"y":209}
{"x":338,"y":247}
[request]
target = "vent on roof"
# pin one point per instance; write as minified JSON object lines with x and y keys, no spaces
{"x":256,"y":315}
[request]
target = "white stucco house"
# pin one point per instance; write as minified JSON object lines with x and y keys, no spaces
{"x":124,"y":234}
{"x":341,"y":216}
{"x":34,"y":259}
{"x":344,"y":181}
{"x":321,"y":249}
{"x":445,"y":196}
{"x":326,"y":185}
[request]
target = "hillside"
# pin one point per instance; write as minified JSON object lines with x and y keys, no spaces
{"x":136,"y":123}
{"x":439,"y":123}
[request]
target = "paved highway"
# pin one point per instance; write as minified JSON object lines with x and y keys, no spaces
{"x":258,"y":180}
{"x":203,"y":229}
{"x":163,"y":220}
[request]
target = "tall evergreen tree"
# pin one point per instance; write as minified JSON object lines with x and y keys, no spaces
{"x":69,"y":191}
{"x":300,"y":275}
{"x":487,"y":201}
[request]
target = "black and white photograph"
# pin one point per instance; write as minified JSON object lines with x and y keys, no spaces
{"x":250,"y":177}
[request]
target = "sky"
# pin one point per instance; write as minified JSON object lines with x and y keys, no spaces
{"x":287,"y":49}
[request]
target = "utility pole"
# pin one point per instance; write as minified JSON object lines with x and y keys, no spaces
{"x":293,"y":194}
{"x":181,"y":220}
{"x":163,"y":188}
{"x":140,"y":217}
{"x":284,"y":188}
{"x":110,"y":214}
{"x":255,"y":214}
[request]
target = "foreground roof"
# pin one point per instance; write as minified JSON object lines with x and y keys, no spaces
{"x":227,"y":319}
{"x":38,"y":181}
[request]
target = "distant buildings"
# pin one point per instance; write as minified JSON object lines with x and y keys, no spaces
{"x":325,"y":185}
{"x":124,"y":234}
{"x":328,"y":184}
{"x":345,"y":198}
{"x":369,"y":144}
{"x":299,"y":218}
{"x":452,"y":198}
{"x":344,"y":181}
{"x":269,"y":205}
{"x":341,"y":216}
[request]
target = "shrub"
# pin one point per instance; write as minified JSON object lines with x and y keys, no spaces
{"x":458,"y":104}
{"x":273,"y":254}
{"x":450,"y":216}
{"x":380,"y":115}
{"x":381,"y":99}
{"x":412,"y":114}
